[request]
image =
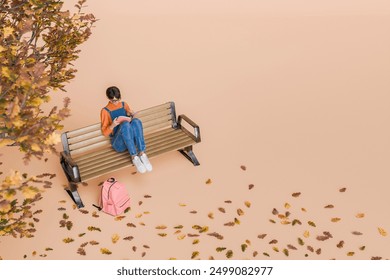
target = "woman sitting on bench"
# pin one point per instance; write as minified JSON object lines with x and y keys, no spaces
{"x":125,"y":131}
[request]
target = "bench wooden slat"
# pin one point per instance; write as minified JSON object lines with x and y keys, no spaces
{"x":86,"y":143}
{"x":84,"y":137}
{"x":101,"y":145}
{"x":80,"y":131}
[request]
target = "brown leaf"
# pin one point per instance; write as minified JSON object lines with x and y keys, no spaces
{"x":276,"y":249}
{"x":244,"y":247}
{"x":228,"y":201}
{"x":81,"y":251}
{"x":140,"y":202}
{"x":222,"y":210}
{"x":211,"y":215}
{"x":220,"y":249}
{"x":318,"y":252}
{"x":251,"y":186}
{"x":272,"y":221}
{"x":335,"y":220}
{"x":147,"y":196}
{"x":300,"y":241}
{"x":275,"y":211}
{"x":208,"y":181}
{"x":342,"y":189}
{"x":217,"y":235}
{"x":322,"y":237}
{"x":143,"y":254}
{"x":266,"y":254}
{"x":178,"y":227}
{"x":240,"y":212}
{"x":196,"y":241}
{"x":255,"y":253}
{"x":119,"y":218}
{"x":291,"y":247}
{"x":262,"y":236}
{"x":357,"y":233}
{"x":297,"y":194}
{"x":95,"y":215}
{"x":229,"y":254}
{"x":93,"y":242}
{"x":303,"y":209}
{"x":273,"y":241}
{"x":296,"y":221}
{"x":193,"y":212}
{"x":360,"y":215}
{"x":350,"y":254}
{"x":310,"y":248}
{"x":131,"y":225}
{"x":376,"y":258}
{"x":329,"y":206}
{"x":134,"y":248}
{"x":311,"y":223}
{"x":230,"y":224}
{"x":193,"y":235}
{"x":162,"y":234}
{"x":237,"y":221}
{"x":247,"y":204}
{"x":243,"y":167}
{"x":340,"y":244}
{"x":362,"y":248}
{"x":84,"y":244}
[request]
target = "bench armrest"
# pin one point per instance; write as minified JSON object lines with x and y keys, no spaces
{"x":196,"y":133}
{"x":70,"y":167}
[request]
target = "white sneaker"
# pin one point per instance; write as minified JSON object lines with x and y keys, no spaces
{"x":146,"y":162}
{"x":138,"y":164}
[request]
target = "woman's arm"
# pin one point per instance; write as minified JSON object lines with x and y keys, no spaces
{"x":107,"y":125}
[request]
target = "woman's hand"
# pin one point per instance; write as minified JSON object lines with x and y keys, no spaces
{"x":114,"y":123}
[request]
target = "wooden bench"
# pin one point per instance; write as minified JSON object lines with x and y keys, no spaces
{"x":88,"y":153}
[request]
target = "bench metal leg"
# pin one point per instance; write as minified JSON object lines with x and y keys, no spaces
{"x":189,"y":154}
{"x":74,"y":194}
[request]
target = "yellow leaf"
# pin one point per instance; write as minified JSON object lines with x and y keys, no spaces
{"x":247,"y":204}
{"x":360,"y":215}
{"x":105,"y":251}
{"x":53,"y":139}
{"x":194,"y":254}
{"x":6,"y":72}
{"x":382,"y":231}
{"x":5,"y":142}
{"x":29,"y":192}
{"x":306,"y":234}
{"x":17,"y":122}
{"x":35,"y":147}
{"x":287,"y":206}
{"x":181,"y":237}
{"x":115,"y":238}
{"x":335,"y":220}
{"x":161,"y":227}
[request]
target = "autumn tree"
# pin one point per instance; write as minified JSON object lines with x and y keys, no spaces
{"x":39,"y":40}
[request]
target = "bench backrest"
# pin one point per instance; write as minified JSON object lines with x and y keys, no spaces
{"x":90,"y":138}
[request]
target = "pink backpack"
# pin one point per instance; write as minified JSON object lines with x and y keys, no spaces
{"x":114,"y":198}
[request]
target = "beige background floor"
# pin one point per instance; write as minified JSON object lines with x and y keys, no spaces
{"x":295,"y":91}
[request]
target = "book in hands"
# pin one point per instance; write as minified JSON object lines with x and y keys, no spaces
{"x":122,"y":119}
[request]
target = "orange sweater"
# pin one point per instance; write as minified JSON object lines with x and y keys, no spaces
{"x":105,"y":117}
